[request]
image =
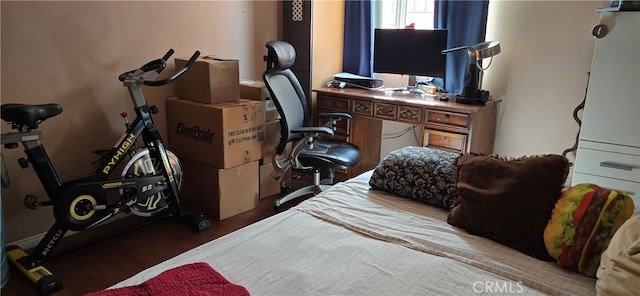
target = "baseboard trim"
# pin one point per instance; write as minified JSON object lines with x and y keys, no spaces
{"x":32,"y":241}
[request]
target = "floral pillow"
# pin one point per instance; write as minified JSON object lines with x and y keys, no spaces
{"x":423,"y":174}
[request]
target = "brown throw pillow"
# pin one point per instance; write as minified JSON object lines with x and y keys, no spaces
{"x":508,"y":200}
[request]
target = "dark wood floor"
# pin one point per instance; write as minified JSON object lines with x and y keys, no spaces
{"x":116,"y":255}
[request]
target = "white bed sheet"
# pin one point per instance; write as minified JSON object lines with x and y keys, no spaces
{"x":354,"y":241}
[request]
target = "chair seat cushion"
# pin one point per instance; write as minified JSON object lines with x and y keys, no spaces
{"x":330,"y":153}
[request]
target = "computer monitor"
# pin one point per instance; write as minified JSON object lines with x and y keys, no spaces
{"x":410,"y":52}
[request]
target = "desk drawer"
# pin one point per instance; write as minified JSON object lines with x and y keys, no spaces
{"x":448,"y":118}
{"x":444,"y":140}
{"x":335,"y":104}
{"x":608,"y":164}
{"x":362,"y":107}
{"x":409,"y":113}
{"x":385,"y":110}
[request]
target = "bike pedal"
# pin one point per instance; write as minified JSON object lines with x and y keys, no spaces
{"x":31,"y":202}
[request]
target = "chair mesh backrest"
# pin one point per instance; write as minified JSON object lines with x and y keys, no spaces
{"x":286,"y":92}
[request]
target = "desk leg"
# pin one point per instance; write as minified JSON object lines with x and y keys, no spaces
{"x":366,"y":134}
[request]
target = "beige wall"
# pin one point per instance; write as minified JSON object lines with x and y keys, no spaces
{"x":540,"y":74}
{"x":71,"y":53}
{"x":327,"y":38}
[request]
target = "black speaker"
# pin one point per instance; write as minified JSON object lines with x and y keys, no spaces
{"x":296,"y":29}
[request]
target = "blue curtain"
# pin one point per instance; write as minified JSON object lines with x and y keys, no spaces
{"x":466,"y":22}
{"x":358,"y":33}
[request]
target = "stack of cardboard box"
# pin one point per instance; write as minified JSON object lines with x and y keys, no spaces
{"x":218,"y":136}
{"x":269,"y":179}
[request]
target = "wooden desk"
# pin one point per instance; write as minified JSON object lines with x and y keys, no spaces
{"x":450,"y":126}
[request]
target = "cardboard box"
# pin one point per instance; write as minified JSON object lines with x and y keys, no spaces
{"x":221,"y":193}
{"x":256,"y":90}
{"x":272,"y":111}
{"x":209,"y":80}
{"x":270,"y":180}
{"x":271,"y":140}
{"x":222,"y":135}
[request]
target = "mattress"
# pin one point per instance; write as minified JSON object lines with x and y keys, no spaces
{"x":350,"y":240}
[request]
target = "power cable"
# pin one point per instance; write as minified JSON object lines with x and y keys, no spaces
{"x":577,"y":119}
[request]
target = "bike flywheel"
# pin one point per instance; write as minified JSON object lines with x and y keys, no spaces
{"x":143,"y":164}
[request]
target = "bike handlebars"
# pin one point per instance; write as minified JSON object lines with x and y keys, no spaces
{"x":167,"y":55}
{"x":158,"y":65}
{"x":176,"y":74}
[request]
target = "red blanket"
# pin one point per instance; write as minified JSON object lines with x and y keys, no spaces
{"x":195,"y":279}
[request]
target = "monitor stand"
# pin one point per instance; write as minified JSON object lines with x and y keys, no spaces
{"x":413,"y":81}
{"x":410,"y":89}
{"x":412,"y":86}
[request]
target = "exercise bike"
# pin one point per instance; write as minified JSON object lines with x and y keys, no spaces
{"x":149,"y":183}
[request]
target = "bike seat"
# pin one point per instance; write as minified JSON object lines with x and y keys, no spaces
{"x":29,"y":115}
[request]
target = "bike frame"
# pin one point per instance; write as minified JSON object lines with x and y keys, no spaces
{"x":141,"y":126}
{"x":84,"y":202}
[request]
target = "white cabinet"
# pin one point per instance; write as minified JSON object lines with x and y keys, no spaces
{"x":611,"y":114}
{"x":611,"y":166}
{"x":609,"y":147}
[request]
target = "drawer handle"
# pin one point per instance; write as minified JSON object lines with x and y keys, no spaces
{"x":617,"y":165}
{"x":446,"y":117}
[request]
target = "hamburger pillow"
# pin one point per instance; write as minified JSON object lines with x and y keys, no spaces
{"x":582,"y":223}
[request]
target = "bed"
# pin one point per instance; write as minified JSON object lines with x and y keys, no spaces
{"x":424,"y":222}
{"x":352,"y":240}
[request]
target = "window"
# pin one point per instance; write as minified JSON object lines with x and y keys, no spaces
{"x":401,"y":13}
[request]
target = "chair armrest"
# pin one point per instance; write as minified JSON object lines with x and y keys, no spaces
{"x":334,"y":118}
{"x":315,"y":129}
{"x":336,"y":115}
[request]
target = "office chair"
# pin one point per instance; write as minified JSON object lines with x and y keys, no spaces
{"x":312,"y":147}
